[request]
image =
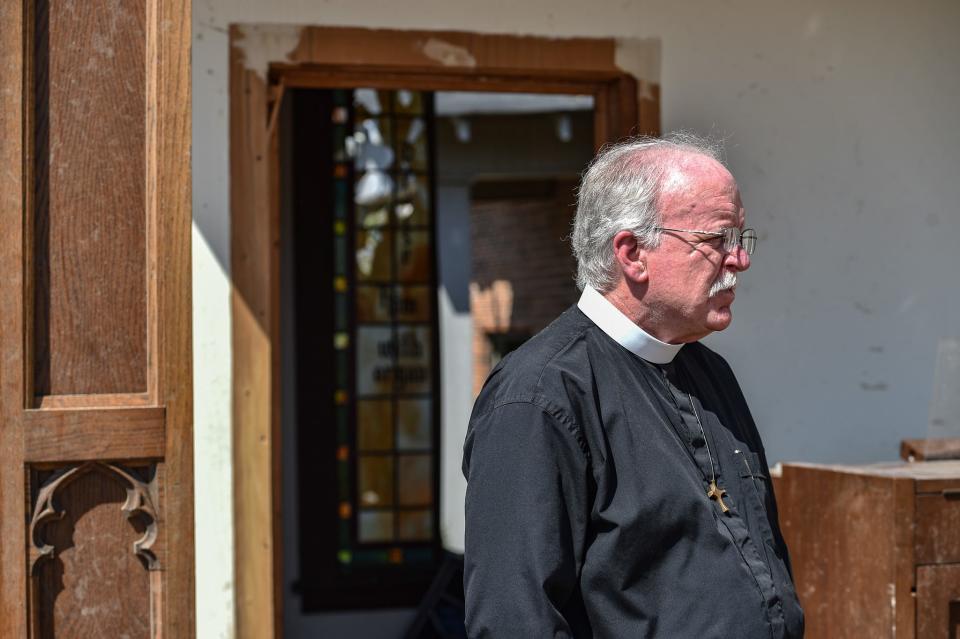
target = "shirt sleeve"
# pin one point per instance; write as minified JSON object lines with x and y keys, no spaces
{"x":526,"y":516}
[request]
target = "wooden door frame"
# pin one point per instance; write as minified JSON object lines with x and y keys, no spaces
{"x":335,"y":57}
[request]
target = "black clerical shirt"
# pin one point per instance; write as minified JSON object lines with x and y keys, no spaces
{"x":587,"y":512}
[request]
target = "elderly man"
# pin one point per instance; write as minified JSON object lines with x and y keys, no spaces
{"x":617,"y":485}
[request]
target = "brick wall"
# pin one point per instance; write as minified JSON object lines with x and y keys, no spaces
{"x":521,"y":266}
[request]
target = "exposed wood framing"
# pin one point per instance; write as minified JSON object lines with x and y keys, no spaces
{"x":347,"y":57}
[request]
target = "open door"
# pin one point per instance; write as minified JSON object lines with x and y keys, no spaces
{"x":96,"y":495}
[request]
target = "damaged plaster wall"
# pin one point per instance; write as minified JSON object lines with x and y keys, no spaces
{"x":840,"y":127}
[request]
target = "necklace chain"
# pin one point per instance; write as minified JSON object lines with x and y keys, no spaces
{"x":713,"y":471}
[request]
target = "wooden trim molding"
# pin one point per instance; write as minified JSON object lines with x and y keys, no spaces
{"x":265,"y":60}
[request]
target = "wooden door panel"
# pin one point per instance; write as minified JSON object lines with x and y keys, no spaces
{"x":96,"y":499}
{"x":89,"y":161}
{"x":93,"y":537}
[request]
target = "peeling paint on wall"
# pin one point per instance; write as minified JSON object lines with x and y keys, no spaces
{"x":449,"y":55}
{"x":262,"y":45}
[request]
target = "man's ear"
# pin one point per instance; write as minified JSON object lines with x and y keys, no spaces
{"x":631,"y":257}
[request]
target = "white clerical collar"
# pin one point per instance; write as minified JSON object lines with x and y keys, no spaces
{"x":619,"y":327}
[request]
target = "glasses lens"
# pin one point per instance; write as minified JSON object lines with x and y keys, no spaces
{"x":731,"y":237}
{"x":748,"y":240}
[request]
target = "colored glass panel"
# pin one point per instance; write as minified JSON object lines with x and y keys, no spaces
{"x":414,"y":255}
{"x":373,"y":304}
{"x":374,"y":425}
{"x":414,"y":419}
{"x":373,"y":189}
{"x":371,"y":102}
{"x":415,"y":480}
{"x":411,"y":144}
{"x":386,"y":303}
{"x":375,"y":525}
{"x":375,"y":360}
{"x":414,"y":359}
{"x":375,"y":480}
{"x":413,"y":303}
{"x":412,"y":204}
{"x":373,"y":255}
{"x":373,"y":144}
{"x":408,"y":102}
{"x":373,"y":217}
{"x":415,"y":525}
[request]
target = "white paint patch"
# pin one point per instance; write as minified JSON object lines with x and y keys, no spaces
{"x":263,"y":44}
{"x":213,"y":451}
{"x":449,"y":55}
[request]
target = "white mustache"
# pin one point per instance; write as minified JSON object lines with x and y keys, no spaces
{"x":726,"y":281}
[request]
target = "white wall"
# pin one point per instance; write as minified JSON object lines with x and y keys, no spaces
{"x":841,"y":126}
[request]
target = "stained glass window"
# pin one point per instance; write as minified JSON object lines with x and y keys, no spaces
{"x":381,"y":351}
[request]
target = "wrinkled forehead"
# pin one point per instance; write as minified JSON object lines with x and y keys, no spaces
{"x":699,"y":188}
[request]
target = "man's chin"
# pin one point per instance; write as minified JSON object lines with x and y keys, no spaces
{"x":719,"y":318}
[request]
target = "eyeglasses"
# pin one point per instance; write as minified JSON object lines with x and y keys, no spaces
{"x":732,"y":237}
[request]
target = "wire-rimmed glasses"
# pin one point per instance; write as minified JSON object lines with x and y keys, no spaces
{"x":732,"y":237}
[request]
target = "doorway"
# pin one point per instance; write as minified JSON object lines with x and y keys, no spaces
{"x":333,"y":58}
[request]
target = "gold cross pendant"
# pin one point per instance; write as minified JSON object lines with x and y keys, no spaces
{"x":718,"y":494}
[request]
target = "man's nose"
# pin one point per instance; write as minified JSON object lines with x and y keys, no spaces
{"x":738,"y":258}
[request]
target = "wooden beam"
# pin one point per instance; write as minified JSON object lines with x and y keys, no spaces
{"x":78,"y":435}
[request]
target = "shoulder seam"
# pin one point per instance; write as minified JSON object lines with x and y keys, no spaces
{"x":554,"y":411}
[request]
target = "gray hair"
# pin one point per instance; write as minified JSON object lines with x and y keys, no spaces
{"x":620,"y":191}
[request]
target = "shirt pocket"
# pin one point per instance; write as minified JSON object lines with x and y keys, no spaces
{"x":756,"y":487}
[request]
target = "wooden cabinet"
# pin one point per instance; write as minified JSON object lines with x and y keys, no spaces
{"x":875,"y":548}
